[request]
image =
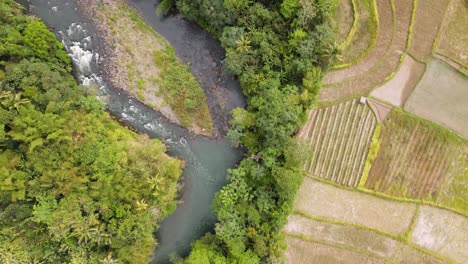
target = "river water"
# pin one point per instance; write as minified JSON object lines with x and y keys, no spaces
{"x":207,"y":160}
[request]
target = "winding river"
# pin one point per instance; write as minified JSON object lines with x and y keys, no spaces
{"x":207,"y":160}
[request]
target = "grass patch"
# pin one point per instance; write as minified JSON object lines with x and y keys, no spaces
{"x":140,"y":84}
{"x":141,"y":95}
{"x":373,"y":151}
{"x":182,"y":91}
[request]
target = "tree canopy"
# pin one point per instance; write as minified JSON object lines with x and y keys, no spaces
{"x":279,"y":51}
{"x":75,"y":185}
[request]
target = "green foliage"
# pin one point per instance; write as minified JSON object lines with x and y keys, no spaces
{"x":289,"y":7}
{"x":165,"y":7}
{"x":279,"y":51}
{"x":371,"y":155}
{"x":181,"y":90}
{"x":75,"y":186}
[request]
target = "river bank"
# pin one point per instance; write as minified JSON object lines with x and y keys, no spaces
{"x":206,"y":159}
{"x":204,"y":54}
{"x":141,"y":62}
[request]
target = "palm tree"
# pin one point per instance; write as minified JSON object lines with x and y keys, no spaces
{"x":141,"y":205}
{"x":10,"y":101}
{"x":243,"y":44}
{"x":109,"y":260}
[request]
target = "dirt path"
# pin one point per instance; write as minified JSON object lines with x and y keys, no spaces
{"x":385,"y":33}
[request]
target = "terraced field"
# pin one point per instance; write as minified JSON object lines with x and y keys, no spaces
{"x":390,"y":187}
{"x":372,"y":55}
{"x":345,"y":22}
{"x":361,"y":33}
{"x":384,"y":67}
{"x":339,"y":138}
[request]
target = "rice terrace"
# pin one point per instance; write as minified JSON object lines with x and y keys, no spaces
{"x":387,"y":164}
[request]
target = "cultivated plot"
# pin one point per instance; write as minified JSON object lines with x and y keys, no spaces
{"x":344,"y":18}
{"x":441,"y":97}
{"x":365,"y":30}
{"x":406,"y":254}
{"x":415,"y":157}
{"x":339,"y":138}
{"x":358,"y":240}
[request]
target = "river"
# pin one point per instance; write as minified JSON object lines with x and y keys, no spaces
{"x":207,"y":160}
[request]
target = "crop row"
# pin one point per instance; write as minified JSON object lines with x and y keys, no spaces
{"x":339,"y":138}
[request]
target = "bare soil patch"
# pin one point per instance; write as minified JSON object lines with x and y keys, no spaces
{"x":453,"y":40}
{"x":380,"y":109}
{"x":386,"y":66}
{"x":399,"y":88}
{"x":323,"y":200}
{"x":428,"y":19}
{"x":385,"y":34}
{"x":441,"y":96}
{"x":338,"y":137}
{"x":302,"y":251}
{"x":443,"y":232}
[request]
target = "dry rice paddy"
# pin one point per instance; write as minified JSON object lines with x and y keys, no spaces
{"x":348,"y":206}
{"x":339,"y":138}
{"x":427,"y":22}
{"x":334,"y":225}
